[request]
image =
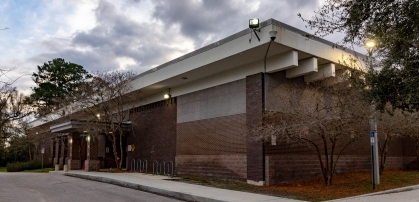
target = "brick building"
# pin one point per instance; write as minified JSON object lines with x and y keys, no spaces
{"x":217,"y":93}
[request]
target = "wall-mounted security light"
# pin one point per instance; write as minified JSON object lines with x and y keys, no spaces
{"x":70,"y":140}
{"x":254,"y":23}
{"x":254,"y":26}
{"x":88,"y":138}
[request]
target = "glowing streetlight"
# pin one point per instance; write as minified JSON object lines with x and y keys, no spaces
{"x":370,"y":45}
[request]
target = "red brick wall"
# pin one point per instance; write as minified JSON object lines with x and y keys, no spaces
{"x":254,"y":110}
{"x":228,"y":167}
{"x":216,"y":136}
{"x":212,"y":147}
{"x":154,"y":133}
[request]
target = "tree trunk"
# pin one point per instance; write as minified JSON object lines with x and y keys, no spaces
{"x":30,"y":155}
{"x":383,"y":153}
{"x":115,"y":152}
{"x":122,"y":149}
{"x":417,"y":150}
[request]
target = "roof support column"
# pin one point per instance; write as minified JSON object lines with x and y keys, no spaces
{"x":254,"y":116}
{"x":92,"y":162}
{"x":74,"y":150}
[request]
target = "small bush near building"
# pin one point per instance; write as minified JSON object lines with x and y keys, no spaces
{"x":21,"y":166}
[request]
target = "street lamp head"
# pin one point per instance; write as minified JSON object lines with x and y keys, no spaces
{"x":272,"y":34}
{"x":254,"y":23}
{"x":370,"y":44}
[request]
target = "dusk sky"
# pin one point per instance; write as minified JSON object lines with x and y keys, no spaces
{"x":132,"y":35}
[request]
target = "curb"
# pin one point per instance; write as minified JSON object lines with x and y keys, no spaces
{"x":391,"y":191}
{"x":162,"y":192}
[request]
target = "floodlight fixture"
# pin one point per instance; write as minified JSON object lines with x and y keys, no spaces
{"x":254,"y":23}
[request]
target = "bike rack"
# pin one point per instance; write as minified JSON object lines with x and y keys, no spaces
{"x":158,"y":167}
{"x":133,"y":165}
{"x":164,"y":167}
{"x":171,"y":163}
{"x":155,"y":171}
{"x":145,"y":166}
{"x":139,"y":167}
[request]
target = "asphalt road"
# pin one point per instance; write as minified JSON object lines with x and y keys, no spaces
{"x":44,"y":187}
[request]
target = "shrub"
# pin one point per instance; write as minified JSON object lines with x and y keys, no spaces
{"x":21,"y":166}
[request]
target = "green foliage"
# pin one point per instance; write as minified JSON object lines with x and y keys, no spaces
{"x":20,"y":149}
{"x":394,"y":25}
{"x":2,"y":153}
{"x":21,"y":166}
{"x":55,"y":81}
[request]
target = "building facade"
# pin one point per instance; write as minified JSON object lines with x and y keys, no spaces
{"x":217,"y":95}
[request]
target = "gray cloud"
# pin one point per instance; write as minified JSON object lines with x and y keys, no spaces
{"x":117,"y":35}
{"x":124,"y":37}
{"x":90,"y":60}
{"x":216,"y":19}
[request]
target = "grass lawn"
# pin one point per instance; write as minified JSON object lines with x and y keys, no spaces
{"x":45,"y":170}
{"x":344,"y":185}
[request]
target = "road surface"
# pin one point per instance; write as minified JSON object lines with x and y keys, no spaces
{"x":45,"y":187}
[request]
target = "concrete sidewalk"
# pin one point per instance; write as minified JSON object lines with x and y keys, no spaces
{"x":184,"y":191}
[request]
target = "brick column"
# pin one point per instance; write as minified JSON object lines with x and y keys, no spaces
{"x":57,"y":148}
{"x":74,"y":160}
{"x":92,"y":163}
{"x":254,"y":116}
{"x":62,"y":142}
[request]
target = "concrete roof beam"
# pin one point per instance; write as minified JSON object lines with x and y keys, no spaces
{"x":305,"y":66}
{"x":324,"y":72}
{"x":284,"y":61}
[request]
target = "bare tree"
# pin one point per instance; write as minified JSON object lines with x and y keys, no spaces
{"x":14,"y":106}
{"x":412,"y":129}
{"x":392,"y":124}
{"x":106,"y":103}
{"x":325,"y":117}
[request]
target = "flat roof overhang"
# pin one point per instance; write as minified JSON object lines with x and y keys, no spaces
{"x":78,"y":126}
{"x":236,"y":51}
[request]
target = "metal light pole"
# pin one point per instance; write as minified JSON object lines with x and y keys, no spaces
{"x":370,"y":44}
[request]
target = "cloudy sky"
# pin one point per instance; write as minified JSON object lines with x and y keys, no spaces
{"x":131,"y":34}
